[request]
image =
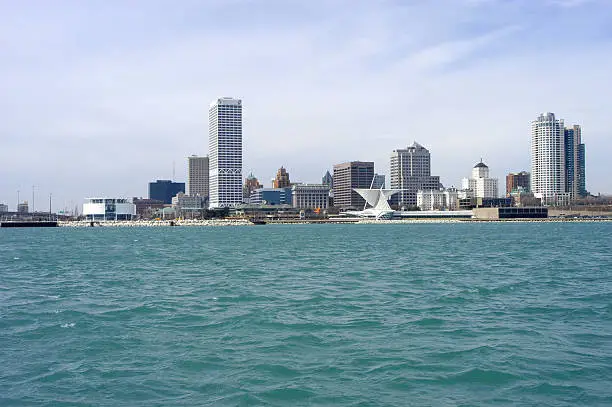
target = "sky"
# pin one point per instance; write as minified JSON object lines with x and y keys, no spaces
{"x":100,"y":97}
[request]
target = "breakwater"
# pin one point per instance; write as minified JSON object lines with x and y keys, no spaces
{"x":246,"y":222}
{"x":157,"y":223}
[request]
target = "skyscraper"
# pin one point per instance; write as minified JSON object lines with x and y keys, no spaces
{"x":282,"y":179}
{"x":574,"y":162}
{"x":197,"y":180}
{"x":547,"y":157}
{"x":225,"y":152}
{"x":557,"y":160}
{"x":350,"y":175}
{"x":410,"y":172}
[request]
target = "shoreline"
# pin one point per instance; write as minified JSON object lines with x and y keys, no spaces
{"x":245,"y":222}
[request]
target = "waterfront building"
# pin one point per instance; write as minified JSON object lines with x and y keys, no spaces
{"x":328,"y":179}
{"x":164,"y":190}
{"x":104,"y":209}
{"x":146,"y":208}
{"x":480,"y":182}
{"x":348,"y":176}
{"x":410,"y":172}
{"x":493,"y":202}
{"x":521,"y":197}
{"x":515,"y":181}
{"x":378,"y":201}
{"x":182,"y":202}
{"x":575,"y":182}
{"x":494,"y":213}
{"x":310,"y":196}
{"x":271,"y":196}
{"x":197,"y":179}
{"x":465,"y":199}
{"x":431,"y":200}
{"x":23,"y":207}
{"x":451,"y":199}
{"x":3,"y":208}
{"x":282,"y":179}
{"x":225,"y":152}
{"x":438,"y":199}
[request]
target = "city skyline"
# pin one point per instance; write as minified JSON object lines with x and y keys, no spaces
{"x":464,"y":87}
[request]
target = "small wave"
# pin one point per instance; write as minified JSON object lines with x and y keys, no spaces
{"x":68,"y":325}
{"x":491,"y":377}
{"x":467,"y":353}
{"x":559,"y":389}
{"x":15,"y":258}
{"x":429,"y":322}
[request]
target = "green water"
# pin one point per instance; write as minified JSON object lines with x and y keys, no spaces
{"x":338,"y":315}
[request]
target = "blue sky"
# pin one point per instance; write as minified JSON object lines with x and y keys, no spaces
{"x":101,"y":97}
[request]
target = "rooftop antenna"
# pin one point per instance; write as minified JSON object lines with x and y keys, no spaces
{"x":173,"y":170}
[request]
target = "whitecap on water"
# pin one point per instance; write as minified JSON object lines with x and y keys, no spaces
{"x":15,"y":258}
{"x":135,"y":240}
{"x":68,"y":325}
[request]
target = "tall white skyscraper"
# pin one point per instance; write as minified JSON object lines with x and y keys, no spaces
{"x":547,"y":157}
{"x":225,"y":152}
{"x":197,"y":177}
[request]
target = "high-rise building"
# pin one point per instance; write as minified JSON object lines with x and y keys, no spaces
{"x":3,"y":208}
{"x":164,"y":190}
{"x":517,"y":180}
{"x":282,"y":178}
{"x":350,"y":175}
{"x":197,"y":180}
{"x":574,"y":162}
{"x":411,"y":172}
{"x":480,"y":183}
{"x":547,"y":157}
{"x":557,"y":160}
{"x":225,"y":152}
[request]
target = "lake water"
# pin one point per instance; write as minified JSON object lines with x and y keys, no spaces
{"x":340,"y":315}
